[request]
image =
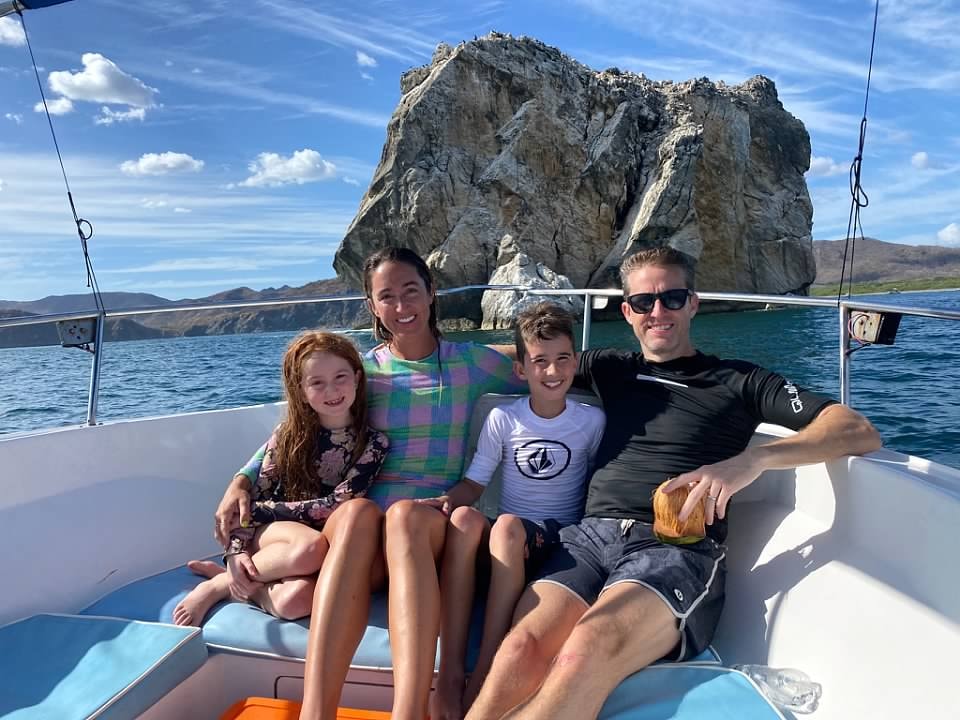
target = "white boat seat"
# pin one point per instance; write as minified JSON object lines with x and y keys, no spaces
{"x":73,"y":667}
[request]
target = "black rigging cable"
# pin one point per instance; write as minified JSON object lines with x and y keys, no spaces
{"x":84,"y":227}
{"x":858,"y":197}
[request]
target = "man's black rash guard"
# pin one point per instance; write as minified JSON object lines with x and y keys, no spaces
{"x":664,"y":419}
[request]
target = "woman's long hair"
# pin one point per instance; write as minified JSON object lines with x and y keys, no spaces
{"x":400,"y":255}
{"x":296,"y":439}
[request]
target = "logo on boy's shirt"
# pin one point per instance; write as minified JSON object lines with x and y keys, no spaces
{"x":542,"y":459}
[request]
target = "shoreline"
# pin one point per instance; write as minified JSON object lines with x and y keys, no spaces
{"x":890,"y":292}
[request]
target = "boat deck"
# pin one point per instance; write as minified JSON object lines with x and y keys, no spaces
{"x":822,"y":573}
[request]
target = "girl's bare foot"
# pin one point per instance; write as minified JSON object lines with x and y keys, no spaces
{"x":205,"y":568}
{"x":195,"y":606}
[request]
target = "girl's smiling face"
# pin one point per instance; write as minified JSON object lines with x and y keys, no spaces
{"x":329,"y":386}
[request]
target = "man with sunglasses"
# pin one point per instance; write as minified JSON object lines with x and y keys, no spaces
{"x":613,"y":597}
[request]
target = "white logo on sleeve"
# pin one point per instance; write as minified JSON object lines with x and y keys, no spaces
{"x":542,"y":459}
{"x":795,"y":402}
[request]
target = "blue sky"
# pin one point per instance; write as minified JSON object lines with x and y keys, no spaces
{"x":213,"y":149}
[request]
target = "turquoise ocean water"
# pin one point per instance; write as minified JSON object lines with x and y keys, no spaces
{"x":911,"y":391}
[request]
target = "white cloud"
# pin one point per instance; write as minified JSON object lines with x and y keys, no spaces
{"x":14,"y":117}
{"x":265,"y":224}
{"x":920,"y":160}
{"x":1,"y":184}
{"x":728,"y":32}
{"x":168,"y":63}
{"x":819,"y":116}
{"x":271,"y":169}
{"x":824,"y":167}
{"x":411,"y":40}
{"x":253,"y":82}
{"x":109,"y":117}
{"x":930,"y":24}
{"x":182,"y":210}
{"x":351,"y":181}
{"x":950,"y":235}
{"x":101,"y":81}
{"x":364,"y":60}
{"x":367,"y":76}
{"x":11,"y":33}
{"x":153,"y":204}
{"x":161,"y":164}
{"x":57,"y":106}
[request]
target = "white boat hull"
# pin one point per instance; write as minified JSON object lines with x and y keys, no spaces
{"x":847,"y":571}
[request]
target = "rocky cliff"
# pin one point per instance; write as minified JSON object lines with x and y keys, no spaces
{"x":503,"y":147}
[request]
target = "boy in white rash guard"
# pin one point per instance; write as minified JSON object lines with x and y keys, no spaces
{"x":545,"y":444}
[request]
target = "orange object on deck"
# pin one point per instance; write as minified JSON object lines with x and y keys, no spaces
{"x":258,"y":708}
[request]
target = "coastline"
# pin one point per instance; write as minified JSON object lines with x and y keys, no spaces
{"x":891,"y":287}
{"x":889,"y":292}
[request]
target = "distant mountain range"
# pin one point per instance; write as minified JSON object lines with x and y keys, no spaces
{"x":873,"y":260}
{"x":190,"y":322}
{"x":878,"y":261}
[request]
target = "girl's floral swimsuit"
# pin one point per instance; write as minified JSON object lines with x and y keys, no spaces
{"x":337,"y":480}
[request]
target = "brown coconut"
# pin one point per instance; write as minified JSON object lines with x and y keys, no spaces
{"x":666,"y":513}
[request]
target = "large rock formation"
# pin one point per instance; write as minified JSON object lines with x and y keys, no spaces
{"x":507,"y":143}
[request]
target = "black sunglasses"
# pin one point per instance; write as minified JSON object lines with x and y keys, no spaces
{"x":671,"y":300}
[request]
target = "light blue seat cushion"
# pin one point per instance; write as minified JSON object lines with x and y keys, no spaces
{"x":241,"y":628}
{"x":688,"y":692}
{"x":67,"y":667}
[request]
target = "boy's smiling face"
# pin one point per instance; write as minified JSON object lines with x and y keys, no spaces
{"x":548,"y":367}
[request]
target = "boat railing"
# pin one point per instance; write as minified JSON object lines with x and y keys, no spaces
{"x":593,"y":299}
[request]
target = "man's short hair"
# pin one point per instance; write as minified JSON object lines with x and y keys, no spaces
{"x":543,"y":321}
{"x":664,"y":257}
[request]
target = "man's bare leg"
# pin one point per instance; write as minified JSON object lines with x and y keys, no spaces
{"x":628,"y":628}
{"x":457,"y":582}
{"x":544,"y":617}
{"x":414,"y":536}
{"x":508,"y":545}
{"x":341,"y":603}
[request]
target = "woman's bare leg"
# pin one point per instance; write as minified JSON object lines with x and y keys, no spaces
{"x":414,"y":540}
{"x":353,"y":568}
{"x":508,"y":544}
{"x":457,"y":582}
